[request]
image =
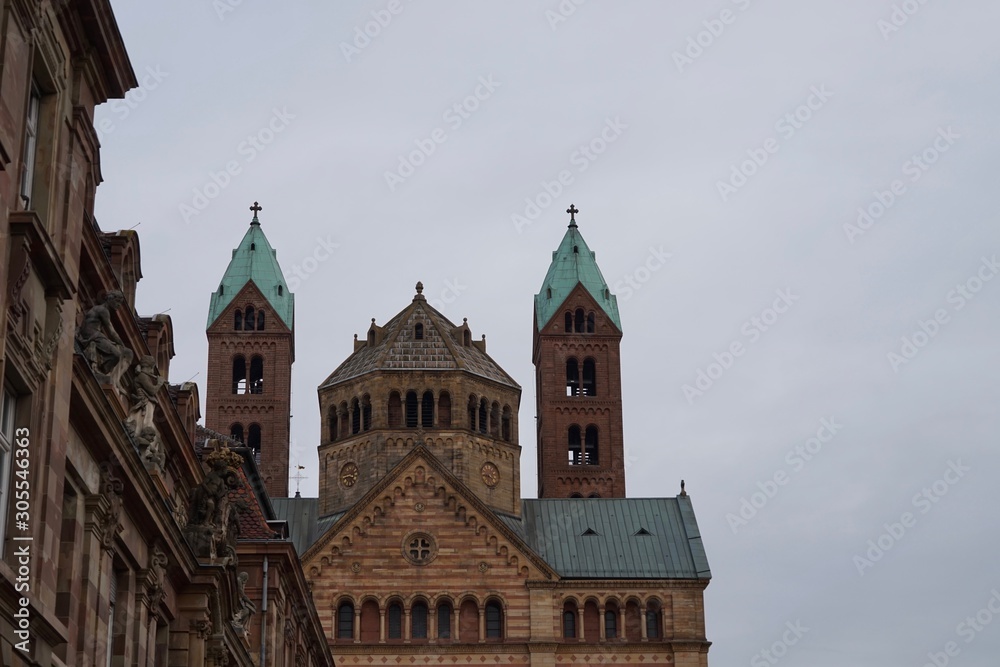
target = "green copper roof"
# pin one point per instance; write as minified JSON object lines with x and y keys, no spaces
{"x":254,"y":260}
{"x":572,"y":264}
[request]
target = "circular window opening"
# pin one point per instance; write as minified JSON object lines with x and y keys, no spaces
{"x":419,"y":548}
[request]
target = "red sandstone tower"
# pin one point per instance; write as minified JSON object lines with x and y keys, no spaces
{"x":251,"y":347}
{"x":576,"y":352}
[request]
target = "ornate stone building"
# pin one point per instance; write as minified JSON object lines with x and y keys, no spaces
{"x":420,"y":548}
{"x":127,"y":537}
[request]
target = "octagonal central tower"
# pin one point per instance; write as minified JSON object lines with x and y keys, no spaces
{"x":419,"y":379}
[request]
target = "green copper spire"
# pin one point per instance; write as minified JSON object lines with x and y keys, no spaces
{"x":572,"y":264}
{"x":254,"y":260}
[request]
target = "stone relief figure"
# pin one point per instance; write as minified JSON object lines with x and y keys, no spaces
{"x":100,"y":343}
{"x":150,"y":449}
{"x":210,"y":520}
{"x":245,"y":606}
{"x":146,"y":385}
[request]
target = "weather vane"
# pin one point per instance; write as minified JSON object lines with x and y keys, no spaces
{"x":298,"y":477}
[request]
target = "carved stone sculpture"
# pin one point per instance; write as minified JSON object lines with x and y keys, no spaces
{"x":150,"y":449}
{"x":210,"y":520}
{"x":245,"y":607}
{"x":100,"y":343}
{"x":146,"y":385}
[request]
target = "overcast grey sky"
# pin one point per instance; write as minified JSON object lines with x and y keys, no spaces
{"x":721,"y":154}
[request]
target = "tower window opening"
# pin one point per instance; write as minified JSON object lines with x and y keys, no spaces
{"x":589,"y":377}
{"x":344,"y":419}
{"x":467,"y":338}
{"x":257,"y":375}
{"x":236,"y":431}
{"x":355,"y":417}
{"x":548,"y":293}
{"x":575,"y":452}
{"x":591,"y":322}
{"x":495,"y":420}
{"x":394,"y":616}
{"x":253,"y":246}
{"x":505,"y":420}
{"x":590,"y":445}
{"x":472,"y":413}
{"x":333,"y":423}
{"x":249,"y":318}
{"x":418,"y":621}
{"x":572,"y":377}
{"x":395,"y":410}
{"x":418,"y":332}
{"x":444,"y":410}
{"x":576,"y":250}
{"x":483,"y":416}
{"x":569,"y":322}
{"x":366,"y":413}
{"x":371,"y":337}
{"x":427,"y":410}
{"x":578,"y":321}
{"x":239,"y":374}
{"x":238,"y":320}
{"x":253,"y":439}
{"x":345,"y":621}
{"x":281,"y":290}
{"x":260,"y":320}
{"x":222,"y":290}
{"x":411,"y":409}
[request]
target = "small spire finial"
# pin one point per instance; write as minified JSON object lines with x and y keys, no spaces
{"x":683,"y":492}
{"x":256,"y":208}
{"x":420,"y":287}
{"x":572,"y":210}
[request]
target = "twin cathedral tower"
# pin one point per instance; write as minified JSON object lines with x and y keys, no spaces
{"x":420,"y":378}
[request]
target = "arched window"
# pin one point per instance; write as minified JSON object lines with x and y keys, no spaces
{"x":394,"y":621}
{"x":444,"y":612}
{"x":591,"y":322}
{"x":395,"y":410}
{"x":633,"y":621}
{"x":444,"y":410}
{"x":332,"y":420}
{"x":572,"y":377}
{"x":418,"y":620}
{"x":344,"y":419}
{"x":468,"y":622}
{"x":611,"y":620}
{"x":370,"y":622}
{"x":249,"y":318}
{"x":495,"y":420}
{"x":260,"y":320}
{"x":575,"y":453}
{"x":590,"y":445}
{"x":472,"y":413}
{"x":482,"y":415}
{"x":569,"y":620}
{"x":236,"y":431}
{"x":238,"y":320}
{"x":575,"y":495}
{"x":253,"y":246}
{"x":578,"y":321}
{"x":371,"y":337}
{"x":411,"y":409}
{"x":239,"y":374}
{"x":281,"y":290}
{"x":366,"y":412}
{"x":355,"y":417}
{"x":494,"y":620}
{"x":253,"y":438}
{"x":505,"y":424}
{"x":418,"y":332}
{"x":345,"y":621}
{"x":256,"y":375}
{"x":591,"y":622}
{"x":467,"y":338}
{"x":569,"y":322}
{"x":654,"y":620}
{"x":589,"y":377}
{"x":594,"y":495}
{"x":427,"y":410}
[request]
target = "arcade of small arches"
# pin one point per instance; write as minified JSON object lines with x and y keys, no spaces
{"x":249,"y":319}
{"x":442,"y":619}
{"x":252,"y":437}
{"x":583,"y":451}
{"x":248,"y":379}
{"x":580,"y":322}
{"x":577,"y":385}
{"x":423,"y":411}
{"x":607,"y":621}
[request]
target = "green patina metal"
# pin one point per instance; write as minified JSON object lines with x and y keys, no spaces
{"x":254,"y":260}
{"x":573,"y":264}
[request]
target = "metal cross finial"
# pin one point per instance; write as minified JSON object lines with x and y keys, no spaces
{"x":256,"y":208}
{"x":298,"y":476}
{"x":572,"y":210}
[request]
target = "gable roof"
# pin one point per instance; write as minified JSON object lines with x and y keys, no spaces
{"x":599,"y":538}
{"x":441,"y":348}
{"x":573,"y":263}
{"x":254,"y":260}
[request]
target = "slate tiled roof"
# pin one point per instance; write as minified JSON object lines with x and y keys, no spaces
{"x":441,"y":348}
{"x":304,"y":527}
